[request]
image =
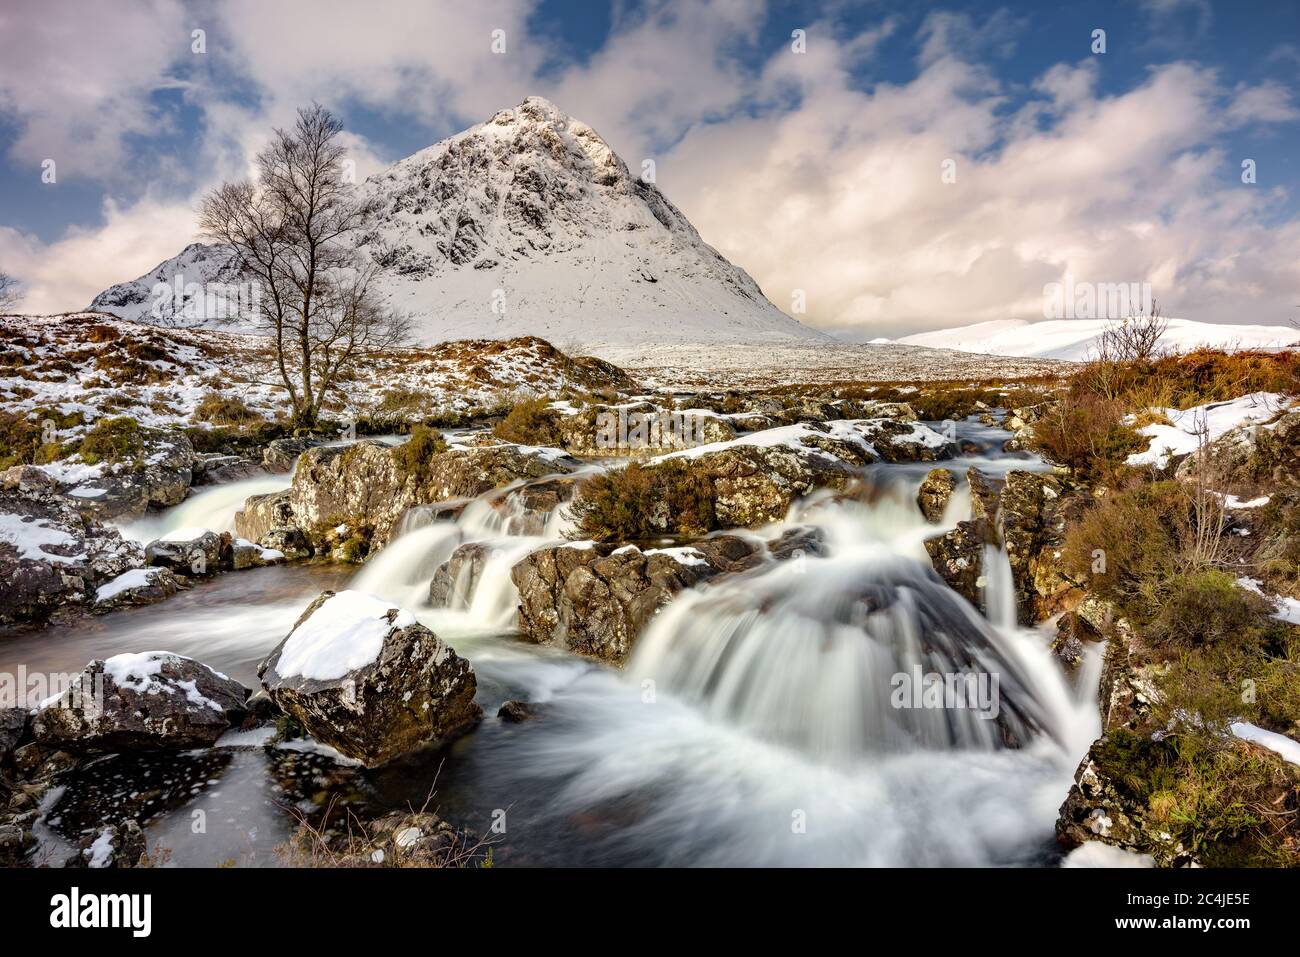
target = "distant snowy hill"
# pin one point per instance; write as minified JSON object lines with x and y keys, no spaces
{"x":1076,"y":339}
{"x":529,"y":224}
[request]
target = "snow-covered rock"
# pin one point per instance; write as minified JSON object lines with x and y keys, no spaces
{"x":137,"y":586}
{"x":141,"y":701}
{"x":1203,"y":424}
{"x":530,"y":224}
{"x":367,"y":679}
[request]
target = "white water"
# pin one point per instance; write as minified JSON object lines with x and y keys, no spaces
{"x":212,"y":508}
{"x":753,"y":725}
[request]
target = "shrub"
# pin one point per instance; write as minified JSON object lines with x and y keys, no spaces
{"x":112,"y":440}
{"x":1086,"y":433}
{"x":412,"y":456}
{"x":21,"y":442}
{"x":644,"y":501}
{"x":402,"y":405}
{"x":1205,"y":607}
{"x":530,"y":422}
{"x":224,"y":410}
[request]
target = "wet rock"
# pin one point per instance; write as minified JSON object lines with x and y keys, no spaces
{"x":364,"y":485}
{"x":280,"y":455}
{"x":529,"y":508}
{"x":935,"y":492}
{"x":138,"y":586}
{"x":288,"y":541}
{"x":455,"y":580}
{"x":154,"y":700}
{"x":114,"y":846}
{"x":263,"y":513}
{"x":190,"y":551}
{"x":52,"y":555}
{"x":898,"y":440}
{"x":516,"y":712}
{"x":985,"y":495}
{"x":369,"y":680}
{"x":1073,"y":633}
{"x":262,"y":707}
{"x":596,"y":599}
{"x":246,"y":554}
{"x":958,"y":557}
{"x":218,"y":469}
{"x":1033,"y":514}
{"x":13,"y":728}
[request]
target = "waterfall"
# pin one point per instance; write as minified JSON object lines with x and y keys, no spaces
{"x":212,"y":508}
{"x":864,"y":651}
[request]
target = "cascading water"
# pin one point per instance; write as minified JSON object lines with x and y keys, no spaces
{"x":212,"y":508}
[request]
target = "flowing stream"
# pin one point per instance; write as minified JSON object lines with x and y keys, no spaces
{"x":762,"y":719}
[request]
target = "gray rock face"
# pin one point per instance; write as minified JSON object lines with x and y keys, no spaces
{"x":935,"y":491}
{"x":365,"y":487}
{"x":640,"y":429}
{"x":149,"y":701}
{"x":281,"y":454}
{"x":455,"y":580}
{"x":203,"y":554}
{"x":596,"y":599}
{"x":158,"y":477}
{"x":58,"y":554}
{"x":415,"y":691}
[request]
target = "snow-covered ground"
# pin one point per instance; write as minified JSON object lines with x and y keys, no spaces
{"x":1076,"y":339}
{"x":1189,"y":427}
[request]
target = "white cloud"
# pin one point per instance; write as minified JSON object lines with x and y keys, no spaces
{"x":77,"y":78}
{"x":63,"y":276}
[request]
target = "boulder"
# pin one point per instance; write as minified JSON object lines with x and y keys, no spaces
{"x":289,"y":541}
{"x":280,"y":455}
{"x":158,"y":475}
{"x":527,"y":509}
{"x":262,"y":513}
{"x":958,"y":556}
{"x":217,"y":469}
{"x":150,"y":701}
{"x":138,"y":586}
{"x":52,"y":555}
{"x":367,"y":486}
{"x":596,"y":599}
{"x":935,"y":492}
{"x":516,"y":712}
{"x":190,"y":551}
{"x":246,"y":554}
{"x":455,"y":580}
{"x":639,"y":429}
{"x":367,"y":679}
{"x":985,"y":495}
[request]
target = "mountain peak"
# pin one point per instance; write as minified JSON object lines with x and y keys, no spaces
{"x":530,"y":224}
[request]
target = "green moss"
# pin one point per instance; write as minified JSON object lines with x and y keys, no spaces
{"x":112,"y":440}
{"x":1202,"y":608}
{"x":644,"y":501}
{"x":1223,"y":801}
{"x":412,"y":457}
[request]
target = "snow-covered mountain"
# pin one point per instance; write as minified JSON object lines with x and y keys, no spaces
{"x":1076,"y":339}
{"x":529,"y":224}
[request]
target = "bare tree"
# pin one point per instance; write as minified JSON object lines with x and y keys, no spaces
{"x":10,"y":292}
{"x":294,"y":230}
{"x":1134,"y":338}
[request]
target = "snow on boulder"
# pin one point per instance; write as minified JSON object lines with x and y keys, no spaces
{"x":136,"y":586}
{"x":154,"y":700}
{"x":366,"y":678}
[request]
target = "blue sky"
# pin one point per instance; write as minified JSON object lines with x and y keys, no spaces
{"x":139,"y":126}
